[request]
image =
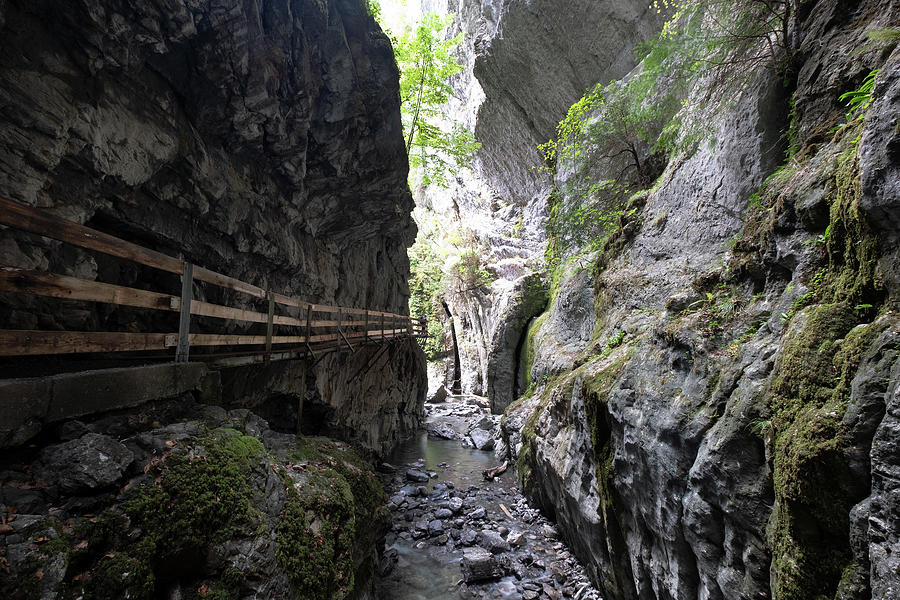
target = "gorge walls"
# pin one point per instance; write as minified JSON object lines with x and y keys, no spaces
{"x":260,"y":140}
{"x":714,"y":413}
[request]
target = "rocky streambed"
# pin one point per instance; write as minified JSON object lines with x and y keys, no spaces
{"x":455,"y":535}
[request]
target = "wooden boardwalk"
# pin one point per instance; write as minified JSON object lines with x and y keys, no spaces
{"x":293,"y":328}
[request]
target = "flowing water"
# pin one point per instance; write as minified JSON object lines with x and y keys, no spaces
{"x":493,"y":515}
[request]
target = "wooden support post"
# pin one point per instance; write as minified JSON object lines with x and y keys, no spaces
{"x":366,"y":328}
{"x":341,"y":335}
{"x":269,"y":323}
{"x":382,"y":327}
{"x":300,"y":399}
{"x":182,"y":352}
{"x":309,"y":330}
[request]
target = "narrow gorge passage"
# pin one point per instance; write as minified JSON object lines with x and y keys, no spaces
{"x":281,"y":279}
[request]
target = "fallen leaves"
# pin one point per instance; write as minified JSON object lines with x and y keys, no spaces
{"x":80,"y":546}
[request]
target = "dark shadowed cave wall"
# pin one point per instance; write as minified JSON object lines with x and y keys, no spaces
{"x":258,"y":139}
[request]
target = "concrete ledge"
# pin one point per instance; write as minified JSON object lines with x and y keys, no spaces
{"x":28,"y":404}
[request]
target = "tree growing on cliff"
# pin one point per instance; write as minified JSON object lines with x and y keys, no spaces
{"x":437,"y":147}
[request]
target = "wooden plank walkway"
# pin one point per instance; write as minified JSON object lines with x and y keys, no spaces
{"x":318,"y":328}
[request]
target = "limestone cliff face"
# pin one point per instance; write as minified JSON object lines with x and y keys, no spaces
{"x":526,"y":63}
{"x":262,"y":140}
{"x":729,"y":429}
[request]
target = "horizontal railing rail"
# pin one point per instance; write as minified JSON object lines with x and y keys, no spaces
{"x":321,"y":327}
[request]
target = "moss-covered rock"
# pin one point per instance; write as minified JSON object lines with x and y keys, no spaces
{"x":214,"y":515}
{"x":809,"y":391}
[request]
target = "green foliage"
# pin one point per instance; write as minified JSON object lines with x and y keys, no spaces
{"x":808,"y":397}
{"x":425,"y":58}
{"x":887,"y":35}
{"x":859,"y":100}
{"x":654,"y":112}
{"x":582,"y":226}
{"x":470,"y":272}
{"x":426,"y":290}
{"x":373,"y":7}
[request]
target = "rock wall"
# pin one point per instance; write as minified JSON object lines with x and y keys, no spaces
{"x":726,"y":430}
{"x":261,"y":140}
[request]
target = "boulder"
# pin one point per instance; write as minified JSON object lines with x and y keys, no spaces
{"x":478,"y":564}
{"x":92,"y":462}
{"x":439,"y":396}
{"x":417,"y":476}
{"x":482,"y":439}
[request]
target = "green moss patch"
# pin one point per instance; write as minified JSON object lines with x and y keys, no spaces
{"x":325,"y":518}
{"x":202,"y":495}
{"x":810,"y":389}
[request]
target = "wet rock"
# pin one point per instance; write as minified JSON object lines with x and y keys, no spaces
{"x":468,"y":537}
{"x":455,"y":504}
{"x":92,"y":462}
{"x":388,"y":562}
{"x":435,"y":527}
{"x":481,"y":439}
{"x":478,"y":565}
{"x":409,"y":490}
{"x":417,"y":476}
{"x":493,"y":541}
{"x":443,"y":432}
{"x":443,"y":513}
{"x":478,"y":512}
{"x":516,"y":538}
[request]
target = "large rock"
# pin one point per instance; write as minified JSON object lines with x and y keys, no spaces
{"x":479,"y":565}
{"x":90,"y":463}
{"x":482,"y":439}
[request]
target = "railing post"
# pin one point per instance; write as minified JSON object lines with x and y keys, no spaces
{"x":182,"y":352}
{"x":270,"y":318}
{"x":309,"y":329}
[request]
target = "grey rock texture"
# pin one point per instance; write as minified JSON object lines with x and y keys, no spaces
{"x":92,"y":462}
{"x":672,"y":461}
{"x":262,"y":141}
{"x":879,"y":159}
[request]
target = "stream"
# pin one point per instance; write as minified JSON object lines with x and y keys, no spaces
{"x":455,"y":535}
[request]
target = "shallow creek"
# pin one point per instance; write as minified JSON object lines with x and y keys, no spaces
{"x":456,"y":535}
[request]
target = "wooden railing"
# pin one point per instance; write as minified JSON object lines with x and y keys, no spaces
{"x":314,"y":327}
